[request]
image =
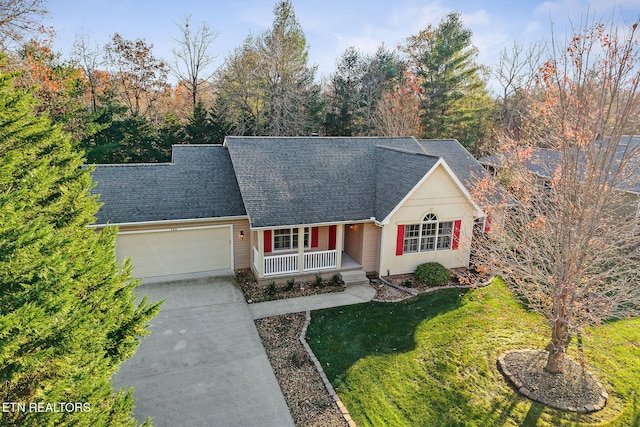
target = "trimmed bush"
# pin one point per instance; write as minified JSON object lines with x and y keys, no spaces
{"x":432,"y":274}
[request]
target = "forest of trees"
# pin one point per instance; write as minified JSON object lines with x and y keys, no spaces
{"x":116,"y":100}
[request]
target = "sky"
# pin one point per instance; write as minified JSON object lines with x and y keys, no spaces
{"x":330,"y":26}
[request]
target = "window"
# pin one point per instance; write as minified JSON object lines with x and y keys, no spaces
{"x":287,"y":239}
{"x":429,"y":235}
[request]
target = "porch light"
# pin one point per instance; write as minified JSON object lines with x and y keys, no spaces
{"x":241,"y":234}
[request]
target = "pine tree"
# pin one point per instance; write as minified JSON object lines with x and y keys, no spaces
{"x":455,"y":101}
{"x":67,"y":312}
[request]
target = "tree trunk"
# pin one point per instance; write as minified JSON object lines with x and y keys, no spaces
{"x":559,"y":336}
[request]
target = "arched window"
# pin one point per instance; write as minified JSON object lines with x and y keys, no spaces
{"x":429,"y":235}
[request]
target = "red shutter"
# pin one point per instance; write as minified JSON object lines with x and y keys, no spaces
{"x":400,"y":240}
{"x":267,"y":241}
{"x":332,"y":236}
{"x":456,"y":234}
{"x":487,"y":224}
{"x":314,"y":237}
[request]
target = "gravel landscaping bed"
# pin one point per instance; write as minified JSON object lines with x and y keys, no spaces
{"x":386,"y":293}
{"x":254,"y":293}
{"x":309,"y":401}
{"x":574,"y":390}
{"x":461,"y":277}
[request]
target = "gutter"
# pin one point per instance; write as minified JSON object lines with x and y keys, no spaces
{"x":167,"y":222}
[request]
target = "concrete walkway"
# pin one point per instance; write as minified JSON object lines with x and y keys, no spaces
{"x":204,"y":363}
{"x":353,"y":294}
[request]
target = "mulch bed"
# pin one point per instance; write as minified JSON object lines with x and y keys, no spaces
{"x":574,"y":390}
{"x":386,"y":293}
{"x":254,"y":293}
{"x":460,"y":277}
{"x":309,"y":401}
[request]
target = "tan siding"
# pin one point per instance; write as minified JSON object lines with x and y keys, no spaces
{"x":438,"y":195}
{"x":241,"y":247}
{"x":353,"y":239}
{"x":323,"y":239}
{"x":371,"y":247}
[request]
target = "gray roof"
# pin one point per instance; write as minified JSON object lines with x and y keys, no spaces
{"x":280,"y":181}
{"x":311,"y":180}
{"x":462,"y":163}
{"x":544,"y":161}
{"x":198,"y":183}
{"x":397,"y":172}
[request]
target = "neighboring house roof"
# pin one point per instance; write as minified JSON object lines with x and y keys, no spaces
{"x":280,"y":181}
{"x":198,"y":183}
{"x":543,"y":162}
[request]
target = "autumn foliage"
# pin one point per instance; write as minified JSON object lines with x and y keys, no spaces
{"x":567,"y":237}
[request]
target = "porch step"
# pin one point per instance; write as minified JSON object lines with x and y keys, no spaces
{"x":354,"y":277}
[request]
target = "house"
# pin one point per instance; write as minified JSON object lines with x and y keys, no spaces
{"x":293,"y":206}
{"x":543,"y":162}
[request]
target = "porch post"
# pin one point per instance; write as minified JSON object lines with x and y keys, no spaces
{"x":260,"y":254}
{"x":339,"y":244}
{"x":301,"y":249}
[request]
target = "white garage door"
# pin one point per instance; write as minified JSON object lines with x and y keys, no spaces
{"x":176,"y":251}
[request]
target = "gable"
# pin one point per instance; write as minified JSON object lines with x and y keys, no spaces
{"x":439,"y":187}
{"x":398,"y":172}
{"x":439,"y":190}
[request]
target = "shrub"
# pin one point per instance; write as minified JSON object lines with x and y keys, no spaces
{"x":432,"y":274}
{"x":336,"y":278}
{"x":271,"y":288}
{"x":290,"y":284}
{"x":318,"y":279}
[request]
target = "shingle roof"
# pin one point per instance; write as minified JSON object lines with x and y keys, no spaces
{"x":543,"y":162}
{"x":199,"y":183}
{"x":287,"y":181}
{"x":397,"y":172}
{"x":462,"y":163}
{"x":280,"y":181}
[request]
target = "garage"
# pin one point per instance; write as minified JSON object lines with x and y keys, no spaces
{"x":177,"y":251}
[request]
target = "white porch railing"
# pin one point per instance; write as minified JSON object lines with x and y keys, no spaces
{"x":288,"y":263}
{"x":280,"y":264}
{"x":319,"y":260}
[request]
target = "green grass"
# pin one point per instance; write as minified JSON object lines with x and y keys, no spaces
{"x":431,"y":361}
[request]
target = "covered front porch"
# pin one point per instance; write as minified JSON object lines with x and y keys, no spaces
{"x":300,"y":250}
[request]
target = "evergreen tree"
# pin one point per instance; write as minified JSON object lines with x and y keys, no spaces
{"x":122,"y":138}
{"x":67,"y":312}
{"x":356,"y":88}
{"x":204,"y":126}
{"x":455,"y":101}
{"x":266,"y":86}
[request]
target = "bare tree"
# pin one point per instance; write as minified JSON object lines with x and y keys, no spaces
{"x":398,"y":112}
{"x":515,"y":73}
{"x":89,"y":59}
{"x":19,"y":17}
{"x":266,"y":87}
{"x":140,"y":77}
{"x":192,"y":57}
{"x":569,"y":246}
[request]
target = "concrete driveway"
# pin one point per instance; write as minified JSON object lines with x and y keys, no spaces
{"x":204,"y":364}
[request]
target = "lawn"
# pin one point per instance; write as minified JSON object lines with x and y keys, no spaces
{"x":431,"y":361}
